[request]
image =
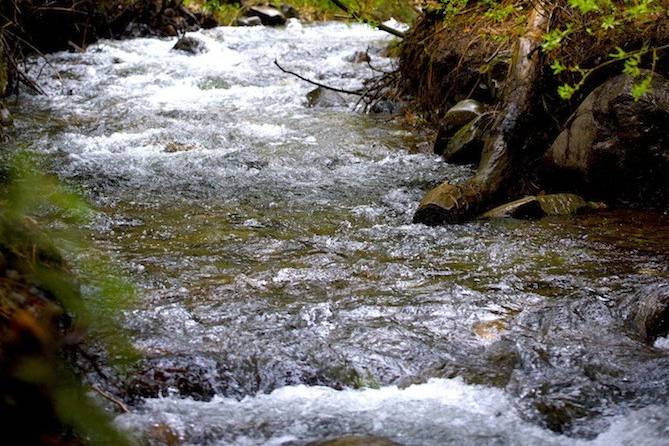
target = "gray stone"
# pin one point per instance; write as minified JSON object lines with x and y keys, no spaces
{"x":6,"y":119}
{"x":249,"y":21}
{"x":358,"y":57}
{"x":322,"y":97}
{"x":190,"y":45}
{"x":289,"y":12}
{"x":465,"y":146}
{"x":462,"y":113}
{"x":268,"y":16}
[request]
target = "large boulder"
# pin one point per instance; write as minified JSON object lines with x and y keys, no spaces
{"x":268,"y":16}
{"x":615,"y":148}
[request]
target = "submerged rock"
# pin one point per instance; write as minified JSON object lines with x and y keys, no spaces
{"x":358,"y":57}
{"x":268,"y":16}
{"x":651,"y":312}
{"x":322,"y":97}
{"x":190,"y":45}
{"x":541,"y":206}
{"x":355,"y":440}
{"x":616,"y":148}
{"x":249,"y":21}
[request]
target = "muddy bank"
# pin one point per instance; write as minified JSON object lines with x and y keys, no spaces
{"x":475,"y":55}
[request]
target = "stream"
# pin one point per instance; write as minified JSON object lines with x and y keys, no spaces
{"x":284,"y":295}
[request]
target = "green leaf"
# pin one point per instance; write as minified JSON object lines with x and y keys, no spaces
{"x":642,"y":87}
{"x":557,"y":67}
{"x":566,"y":91}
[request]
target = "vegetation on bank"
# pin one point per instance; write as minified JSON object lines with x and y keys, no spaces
{"x":44,"y":317}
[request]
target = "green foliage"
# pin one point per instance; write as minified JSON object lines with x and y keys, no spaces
{"x":601,"y":18}
{"x":39,"y":219}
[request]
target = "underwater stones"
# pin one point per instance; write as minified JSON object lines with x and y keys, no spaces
{"x":615,"y":147}
{"x":268,"y":16}
{"x":322,"y":97}
{"x":541,"y":206}
{"x":355,"y":440}
{"x":651,"y":313}
{"x":249,"y":21}
{"x":190,"y":45}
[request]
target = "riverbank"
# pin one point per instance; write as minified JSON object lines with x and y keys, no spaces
{"x":556,"y":118}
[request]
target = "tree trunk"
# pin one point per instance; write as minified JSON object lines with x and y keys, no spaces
{"x":449,"y":203}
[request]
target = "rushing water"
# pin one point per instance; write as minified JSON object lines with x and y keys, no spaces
{"x":285,"y":296}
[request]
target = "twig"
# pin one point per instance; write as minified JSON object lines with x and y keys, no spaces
{"x":318,"y":84}
{"x":120,"y":404}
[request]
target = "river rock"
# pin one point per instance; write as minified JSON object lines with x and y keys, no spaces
{"x":355,"y":440}
{"x":190,"y":45}
{"x":322,"y":97}
{"x":651,"y":312}
{"x":268,"y":16}
{"x":462,"y":113}
{"x":6,"y":119}
{"x":465,"y":145}
{"x":358,"y":57}
{"x":249,"y":21}
{"x":435,"y":207}
{"x":541,"y":206}
{"x":289,"y":12}
{"x":613,"y":147}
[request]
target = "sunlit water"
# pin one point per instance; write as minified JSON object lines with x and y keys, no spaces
{"x":285,"y":296}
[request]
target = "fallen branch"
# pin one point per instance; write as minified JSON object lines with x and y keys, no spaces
{"x":381,"y":26}
{"x":318,"y":84}
{"x":122,"y":407}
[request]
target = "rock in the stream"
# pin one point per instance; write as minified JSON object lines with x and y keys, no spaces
{"x":460,"y":115}
{"x":268,"y":16}
{"x":249,"y":21}
{"x":289,"y":12}
{"x":355,"y":440}
{"x":358,"y":57}
{"x":465,"y":145}
{"x":616,"y":148}
{"x":541,"y":206}
{"x":322,"y":97}
{"x":385,"y":107}
{"x":434,"y":209}
{"x":651,"y":312}
{"x":190,"y":45}
{"x":6,"y":119}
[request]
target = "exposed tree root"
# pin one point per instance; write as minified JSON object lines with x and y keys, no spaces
{"x":456,"y":203}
